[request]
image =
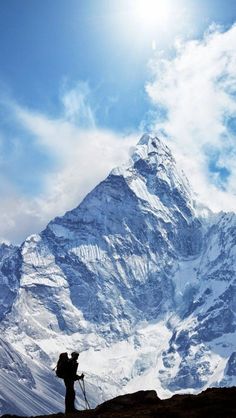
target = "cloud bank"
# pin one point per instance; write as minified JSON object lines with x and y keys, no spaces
{"x":195,"y":94}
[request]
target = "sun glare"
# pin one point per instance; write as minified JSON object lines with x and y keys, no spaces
{"x":153,"y":12}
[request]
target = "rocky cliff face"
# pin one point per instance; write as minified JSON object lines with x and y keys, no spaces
{"x":135,"y":279}
{"x":10,"y":261}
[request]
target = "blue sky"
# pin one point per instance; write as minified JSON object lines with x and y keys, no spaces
{"x":47,"y":43}
{"x":80,"y":81}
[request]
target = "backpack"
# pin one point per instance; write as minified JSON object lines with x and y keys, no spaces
{"x":62,"y":366}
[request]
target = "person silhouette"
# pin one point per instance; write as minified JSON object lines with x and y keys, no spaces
{"x":69,"y":380}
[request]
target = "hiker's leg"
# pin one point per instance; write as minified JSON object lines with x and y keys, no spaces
{"x":70,"y":395}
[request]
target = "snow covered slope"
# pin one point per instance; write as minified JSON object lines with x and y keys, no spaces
{"x":135,"y":280}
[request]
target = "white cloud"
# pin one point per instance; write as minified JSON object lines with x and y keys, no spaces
{"x":197,"y":88}
{"x":85,"y":157}
{"x":77,"y":108}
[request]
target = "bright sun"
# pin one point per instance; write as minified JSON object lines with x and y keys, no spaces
{"x":153,"y":12}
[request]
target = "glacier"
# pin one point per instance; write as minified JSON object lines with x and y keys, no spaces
{"x":139,"y":278}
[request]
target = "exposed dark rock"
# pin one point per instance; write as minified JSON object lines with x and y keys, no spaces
{"x":212,"y":403}
{"x":122,"y":403}
{"x":231,"y":365}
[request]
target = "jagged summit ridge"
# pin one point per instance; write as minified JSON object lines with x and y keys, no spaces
{"x":157,"y":156}
{"x":151,"y":144}
{"x":134,"y":281}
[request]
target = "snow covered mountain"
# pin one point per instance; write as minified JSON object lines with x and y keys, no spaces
{"x":135,"y":279}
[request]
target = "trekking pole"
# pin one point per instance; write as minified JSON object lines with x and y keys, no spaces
{"x":87,"y":406}
{"x":85,"y":396}
{"x":82,"y":393}
{"x":82,"y":387}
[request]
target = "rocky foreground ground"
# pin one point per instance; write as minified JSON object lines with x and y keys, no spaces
{"x":212,"y":403}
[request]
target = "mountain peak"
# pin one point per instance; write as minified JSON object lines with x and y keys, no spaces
{"x":150,"y":140}
{"x":154,"y":151}
{"x":147,"y":138}
{"x":150,"y":149}
{"x":153,"y":171}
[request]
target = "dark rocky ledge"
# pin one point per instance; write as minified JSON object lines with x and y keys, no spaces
{"x":212,"y":403}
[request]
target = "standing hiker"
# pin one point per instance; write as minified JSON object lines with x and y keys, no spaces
{"x":69,"y":380}
{"x":67,"y":370}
